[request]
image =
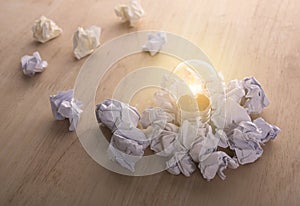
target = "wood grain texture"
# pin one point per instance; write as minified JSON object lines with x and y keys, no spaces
{"x":41,"y":163}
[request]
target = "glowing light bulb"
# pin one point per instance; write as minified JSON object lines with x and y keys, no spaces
{"x":197,"y":103}
{"x":196,"y":88}
{"x":190,"y":77}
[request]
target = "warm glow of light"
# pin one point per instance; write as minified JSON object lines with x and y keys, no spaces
{"x":191,"y":78}
{"x":196,"y":88}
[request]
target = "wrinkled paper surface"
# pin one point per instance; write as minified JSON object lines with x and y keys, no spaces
{"x":127,"y":147}
{"x":216,"y":163}
{"x":128,"y":142}
{"x":117,"y":115}
{"x":85,"y":41}
{"x":33,"y":64}
{"x":131,"y":13}
{"x":64,"y":105}
{"x":45,"y":29}
{"x":256,"y":97}
{"x":181,"y":162}
{"x":268,"y":131}
{"x":155,"y":42}
{"x":245,"y":141}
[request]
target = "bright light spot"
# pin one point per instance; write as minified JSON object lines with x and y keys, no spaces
{"x":191,"y":78}
{"x":196,"y":88}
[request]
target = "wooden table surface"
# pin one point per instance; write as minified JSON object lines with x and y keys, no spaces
{"x":41,"y":163}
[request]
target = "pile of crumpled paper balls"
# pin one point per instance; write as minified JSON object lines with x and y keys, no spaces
{"x":190,"y":144}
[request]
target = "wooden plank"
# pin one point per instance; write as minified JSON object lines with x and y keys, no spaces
{"x":41,"y":163}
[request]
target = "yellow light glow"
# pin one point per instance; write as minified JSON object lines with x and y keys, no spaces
{"x":196,"y":88}
{"x":191,"y":78}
